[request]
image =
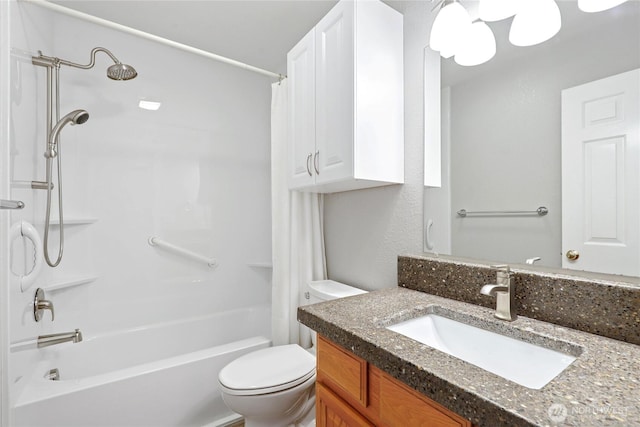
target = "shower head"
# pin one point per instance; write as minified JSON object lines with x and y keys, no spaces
{"x":120,"y":71}
{"x":76,"y":117}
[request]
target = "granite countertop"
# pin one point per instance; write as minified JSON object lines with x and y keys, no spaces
{"x":600,"y":388}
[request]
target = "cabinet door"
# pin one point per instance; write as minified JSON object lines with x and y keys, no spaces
{"x":331,"y":411}
{"x":400,"y":406}
{"x":301,"y":121}
{"x":333,"y":158}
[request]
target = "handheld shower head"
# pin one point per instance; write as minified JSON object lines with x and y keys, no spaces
{"x":76,"y":117}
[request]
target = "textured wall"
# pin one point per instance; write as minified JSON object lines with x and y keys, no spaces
{"x":365,"y":230}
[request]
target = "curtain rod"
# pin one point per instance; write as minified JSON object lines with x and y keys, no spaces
{"x":148,"y":36}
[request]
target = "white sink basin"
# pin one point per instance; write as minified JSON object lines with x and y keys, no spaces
{"x":521,"y":362}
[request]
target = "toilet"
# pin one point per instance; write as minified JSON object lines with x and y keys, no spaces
{"x":274,"y":387}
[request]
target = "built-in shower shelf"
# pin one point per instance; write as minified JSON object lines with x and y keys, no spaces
{"x":69,"y":283}
{"x":74,"y":221}
{"x":260,"y":265}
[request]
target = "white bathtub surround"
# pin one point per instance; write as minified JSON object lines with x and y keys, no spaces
{"x":297,"y":234}
{"x":129,"y":173}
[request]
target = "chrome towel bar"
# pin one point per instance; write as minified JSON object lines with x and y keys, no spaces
{"x":155,"y":241}
{"x":541,"y":211}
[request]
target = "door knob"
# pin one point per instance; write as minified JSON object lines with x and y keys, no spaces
{"x":573,"y":255}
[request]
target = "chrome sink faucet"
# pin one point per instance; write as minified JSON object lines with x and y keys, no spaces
{"x":504,"y":291}
{"x":53,"y":339}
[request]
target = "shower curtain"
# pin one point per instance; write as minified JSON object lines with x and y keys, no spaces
{"x":297,"y":234}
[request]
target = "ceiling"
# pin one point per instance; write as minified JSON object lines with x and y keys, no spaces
{"x":259,"y":33}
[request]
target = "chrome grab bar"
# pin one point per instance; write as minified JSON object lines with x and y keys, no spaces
{"x":154,"y":241}
{"x":11,"y":204}
{"x":541,"y":211}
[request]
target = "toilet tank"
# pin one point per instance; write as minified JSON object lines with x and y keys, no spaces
{"x":326,"y":290}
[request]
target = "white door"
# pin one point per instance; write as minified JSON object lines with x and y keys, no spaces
{"x":600,"y":175}
{"x":335,"y":93}
{"x":301,"y":121}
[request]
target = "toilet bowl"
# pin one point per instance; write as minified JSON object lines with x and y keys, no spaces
{"x":274,"y":387}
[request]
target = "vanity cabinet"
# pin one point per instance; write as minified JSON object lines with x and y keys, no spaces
{"x":352,"y":393}
{"x":346,"y":112}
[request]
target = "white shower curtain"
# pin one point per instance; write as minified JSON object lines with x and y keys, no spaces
{"x":297,"y":234}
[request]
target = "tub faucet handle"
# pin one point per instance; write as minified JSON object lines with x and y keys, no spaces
{"x":40,"y":305}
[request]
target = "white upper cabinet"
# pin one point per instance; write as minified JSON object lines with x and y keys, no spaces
{"x":301,"y":113}
{"x":346,"y":115}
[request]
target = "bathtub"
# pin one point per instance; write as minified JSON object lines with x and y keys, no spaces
{"x":161,"y":375}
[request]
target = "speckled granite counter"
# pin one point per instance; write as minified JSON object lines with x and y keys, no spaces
{"x":601,"y":388}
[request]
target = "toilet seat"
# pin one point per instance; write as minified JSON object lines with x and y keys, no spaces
{"x":268,"y":370}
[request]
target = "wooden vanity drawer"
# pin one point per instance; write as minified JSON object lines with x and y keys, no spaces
{"x":403,"y":406}
{"x":343,"y":370}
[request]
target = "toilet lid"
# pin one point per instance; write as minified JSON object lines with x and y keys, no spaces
{"x":268,"y":370}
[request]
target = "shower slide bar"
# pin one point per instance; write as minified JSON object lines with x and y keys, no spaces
{"x":541,"y":211}
{"x":148,"y":36}
{"x":11,"y":204}
{"x":155,"y":241}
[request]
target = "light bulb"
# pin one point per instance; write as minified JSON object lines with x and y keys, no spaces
{"x":448,"y":28}
{"x":598,"y":5}
{"x":536,"y":21}
{"x":497,"y":10}
{"x":479,"y":45}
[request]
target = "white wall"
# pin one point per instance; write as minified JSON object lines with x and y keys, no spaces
{"x":506,"y":139}
{"x":195,"y":173}
{"x":366,"y":230}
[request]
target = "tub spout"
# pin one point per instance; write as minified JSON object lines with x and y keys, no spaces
{"x":53,"y":339}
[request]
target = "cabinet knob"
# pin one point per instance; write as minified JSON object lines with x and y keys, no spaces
{"x":572,"y":255}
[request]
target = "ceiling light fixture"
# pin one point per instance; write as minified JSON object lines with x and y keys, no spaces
{"x":536,"y":22}
{"x":449,"y":28}
{"x":479,"y":45}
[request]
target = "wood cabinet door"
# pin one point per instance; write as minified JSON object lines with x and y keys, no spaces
{"x":331,"y":411}
{"x":401,"y":406}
